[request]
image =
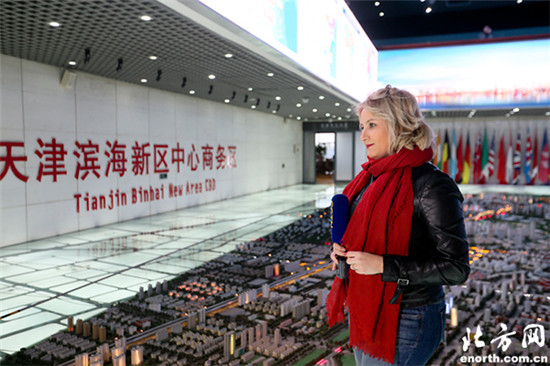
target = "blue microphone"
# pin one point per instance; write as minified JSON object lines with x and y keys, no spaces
{"x":338,"y":225}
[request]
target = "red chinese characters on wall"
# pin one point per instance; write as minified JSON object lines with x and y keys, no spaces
{"x":8,"y":160}
{"x":121,"y":160}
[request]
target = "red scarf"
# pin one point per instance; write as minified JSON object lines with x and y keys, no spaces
{"x":381,"y":224}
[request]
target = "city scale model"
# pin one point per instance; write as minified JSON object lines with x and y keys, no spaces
{"x":264,"y":302}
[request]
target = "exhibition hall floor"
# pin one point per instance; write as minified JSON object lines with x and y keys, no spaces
{"x":44,"y":281}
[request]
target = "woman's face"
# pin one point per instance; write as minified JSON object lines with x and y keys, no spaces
{"x":374,"y":134}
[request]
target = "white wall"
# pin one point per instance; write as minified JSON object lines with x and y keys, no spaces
{"x":35,"y":106}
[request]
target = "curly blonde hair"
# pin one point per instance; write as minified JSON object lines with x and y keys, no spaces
{"x":399,"y":108}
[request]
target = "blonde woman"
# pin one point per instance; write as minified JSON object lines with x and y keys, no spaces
{"x":404,"y":240}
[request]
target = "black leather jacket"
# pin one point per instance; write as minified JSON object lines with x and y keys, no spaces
{"x":438,"y":250}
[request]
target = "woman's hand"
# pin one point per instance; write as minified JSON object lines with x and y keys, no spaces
{"x":365,"y":263}
{"x":339,"y":250}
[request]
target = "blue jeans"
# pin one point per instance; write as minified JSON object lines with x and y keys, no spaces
{"x":419,"y":332}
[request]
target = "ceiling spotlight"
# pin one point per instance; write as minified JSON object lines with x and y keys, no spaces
{"x":314,"y":110}
{"x":349,"y":109}
{"x":337,"y":104}
{"x":159,"y":74}
{"x":381,"y":14}
{"x":191,"y":92}
{"x":273,"y":111}
{"x":327,"y":114}
{"x":143,"y":80}
{"x":183,"y":82}
{"x":300,"y":87}
{"x":268,"y":105}
{"x":54,"y":24}
{"x":87,"y":55}
{"x":298,"y":105}
{"x":321,"y":97}
{"x":145,"y":18}
{"x":270,"y":74}
{"x":210,"y":89}
{"x":228,"y":55}
{"x":226,"y":100}
{"x":72,"y":63}
{"x":519,"y":1}
{"x":428,"y":10}
{"x":377,"y":3}
{"x":298,"y":118}
{"x":547,"y":113}
{"x":250,"y":89}
{"x":153,"y":57}
{"x":277,"y":98}
{"x":253,"y":106}
{"x":119,"y":64}
{"x":245,"y":98}
{"x":211,"y":76}
{"x":515,"y":110}
{"x":233,"y":95}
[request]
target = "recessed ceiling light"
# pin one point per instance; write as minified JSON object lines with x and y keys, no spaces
{"x":428,"y":10}
{"x":300,"y":87}
{"x":253,"y":106}
{"x":515,"y":110}
{"x":250,"y":89}
{"x":228,"y":55}
{"x":152,"y":58}
{"x":377,"y":3}
{"x":72,"y":63}
{"x":349,"y":109}
{"x":298,"y":118}
{"x":381,"y":14}
{"x":226,"y":100}
{"x":337,"y":104}
{"x":327,"y":114}
{"x":314,"y":110}
{"x":273,"y":111}
{"x":143,"y":80}
{"x":270,"y":74}
{"x":547,"y":114}
{"x":54,"y":24}
{"x":298,"y":105}
{"x":321,"y":97}
{"x":191,"y":92}
{"x":519,"y":1}
{"x":211,"y":76}
{"x":145,"y":17}
{"x":339,"y":118}
{"x":277,"y":98}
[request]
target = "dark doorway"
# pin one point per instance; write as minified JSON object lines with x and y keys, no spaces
{"x":324,"y":157}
